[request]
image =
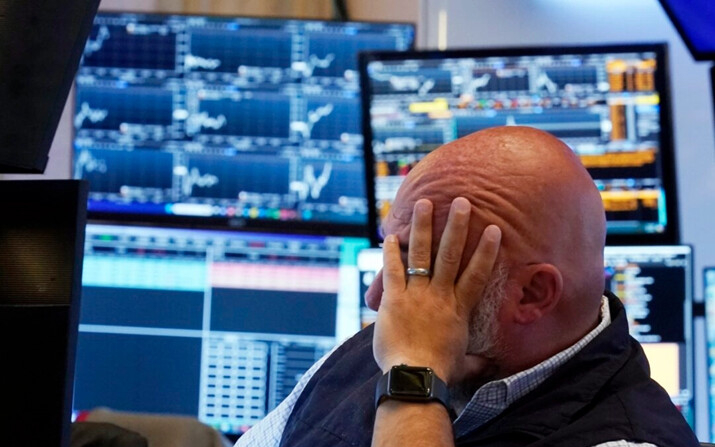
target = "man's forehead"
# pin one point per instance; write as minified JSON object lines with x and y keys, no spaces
{"x":400,"y":214}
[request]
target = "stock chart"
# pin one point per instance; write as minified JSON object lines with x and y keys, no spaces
{"x":609,"y":104}
{"x":231,"y":121}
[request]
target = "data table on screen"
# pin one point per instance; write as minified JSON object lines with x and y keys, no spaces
{"x":212,"y":324}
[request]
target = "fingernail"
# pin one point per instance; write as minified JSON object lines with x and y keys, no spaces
{"x":390,"y":239}
{"x":492,"y":233}
{"x":460,"y":204}
{"x":423,"y":205}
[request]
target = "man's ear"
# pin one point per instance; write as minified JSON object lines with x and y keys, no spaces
{"x":541,"y":289}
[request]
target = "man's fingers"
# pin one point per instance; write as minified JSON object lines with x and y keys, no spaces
{"x":475,"y":277}
{"x":373,"y":295}
{"x":393,"y":272}
{"x":451,"y":246}
{"x":419,"y":254}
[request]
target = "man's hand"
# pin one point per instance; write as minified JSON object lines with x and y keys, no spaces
{"x":424,"y":320}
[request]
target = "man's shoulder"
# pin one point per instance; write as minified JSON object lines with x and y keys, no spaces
{"x":337,"y":403}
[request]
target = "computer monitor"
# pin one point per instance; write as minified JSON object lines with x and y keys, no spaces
{"x":610,"y":104}
{"x":212,"y":324}
{"x":655,"y":285}
{"x":693,"y":19}
{"x":223,"y":122}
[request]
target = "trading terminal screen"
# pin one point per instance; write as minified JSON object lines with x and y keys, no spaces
{"x":655,"y":285}
{"x":609,"y":104}
{"x":215,"y":325}
{"x":224,"y":121}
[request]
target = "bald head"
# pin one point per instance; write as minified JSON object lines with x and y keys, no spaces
{"x":532,"y":186}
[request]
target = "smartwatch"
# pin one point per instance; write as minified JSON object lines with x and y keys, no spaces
{"x":412,"y":384}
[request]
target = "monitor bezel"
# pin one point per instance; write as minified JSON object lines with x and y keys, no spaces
{"x":321,"y":228}
{"x":671,"y":235}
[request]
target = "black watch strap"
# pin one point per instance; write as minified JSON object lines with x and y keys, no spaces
{"x":412,"y":384}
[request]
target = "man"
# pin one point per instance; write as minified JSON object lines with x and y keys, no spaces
{"x":493,"y":280}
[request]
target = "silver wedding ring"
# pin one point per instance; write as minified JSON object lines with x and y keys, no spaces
{"x":413,"y":271}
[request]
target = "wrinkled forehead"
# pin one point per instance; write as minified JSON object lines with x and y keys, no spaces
{"x":399,"y":219}
{"x":437,"y":179}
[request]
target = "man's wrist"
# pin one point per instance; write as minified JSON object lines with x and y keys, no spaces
{"x":408,"y":383}
{"x":434,"y":365}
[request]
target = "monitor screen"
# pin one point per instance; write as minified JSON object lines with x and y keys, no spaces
{"x":212,"y":324}
{"x":709,"y":296}
{"x":226,"y":122}
{"x":609,"y":104}
{"x":694,"y":21}
{"x":655,"y":285}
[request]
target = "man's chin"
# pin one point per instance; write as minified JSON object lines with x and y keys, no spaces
{"x":481,"y":349}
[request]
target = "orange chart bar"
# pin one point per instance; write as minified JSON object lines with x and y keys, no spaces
{"x":619,"y":159}
{"x":629,"y":200}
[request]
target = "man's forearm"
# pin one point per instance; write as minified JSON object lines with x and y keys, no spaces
{"x":399,"y":423}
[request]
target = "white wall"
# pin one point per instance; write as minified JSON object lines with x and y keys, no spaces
{"x":500,"y":23}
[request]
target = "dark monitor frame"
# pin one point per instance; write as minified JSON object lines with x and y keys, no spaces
{"x":234,"y":223}
{"x":682,"y":28}
{"x":671,"y":235}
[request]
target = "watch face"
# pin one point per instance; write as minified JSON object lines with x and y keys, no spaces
{"x":410,"y":381}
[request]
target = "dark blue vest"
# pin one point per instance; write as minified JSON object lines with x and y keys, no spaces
{"x":603,"y":393}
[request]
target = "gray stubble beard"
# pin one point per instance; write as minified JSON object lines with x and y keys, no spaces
{"x":484,"y":338}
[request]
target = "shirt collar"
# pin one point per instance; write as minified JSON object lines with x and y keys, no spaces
{"x":494,"y":397}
